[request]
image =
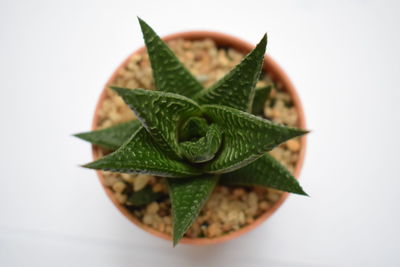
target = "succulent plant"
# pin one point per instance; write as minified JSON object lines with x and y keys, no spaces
{"x":195,"y":137}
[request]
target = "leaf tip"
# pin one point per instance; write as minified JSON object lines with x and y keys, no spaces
{"x":87,"y":166}
{"x":263,"y":42}
{"x":122,"y":92}
{"x":302,"y":192}
{"x":298,"y":190}
{"x":143,"y":25}
{"x":265,"y":37}
{"x":117,"y":89}
{"x":85,"y":136}
{"x":176,"y":238}
{"x":140,"y":20}
{"x":304,"y":132}
{"x":296,"y":132}
{"x":78,"y":135}
{"x":176,"y":235}
{"x":90,"y":165}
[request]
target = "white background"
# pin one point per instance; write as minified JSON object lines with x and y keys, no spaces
{"x":344,"y":58}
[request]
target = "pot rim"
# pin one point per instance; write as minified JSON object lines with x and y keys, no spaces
{"x":270,"y":67}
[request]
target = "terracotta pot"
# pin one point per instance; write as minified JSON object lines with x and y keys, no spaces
{"x":269,"y":67}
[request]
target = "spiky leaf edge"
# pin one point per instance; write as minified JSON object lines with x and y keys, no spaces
{"x":267,"y":172}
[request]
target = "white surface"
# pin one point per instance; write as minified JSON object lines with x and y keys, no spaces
{"x":343,"y":57}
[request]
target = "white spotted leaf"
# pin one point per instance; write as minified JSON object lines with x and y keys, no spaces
{"x":246,"y":138}
{"x":236,"y":89}
{"x":169,"y":73}
{"x":265,"y":171}
{"x":160,"y":113}
{"x":140,"y":154}
{"x":188,"y":196}
{"x":112,"y":137}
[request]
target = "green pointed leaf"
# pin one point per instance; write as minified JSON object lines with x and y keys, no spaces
{"x":246,"y":137}
{"x":112,"y":137}
{"x":161,"y":113}
{"x":236,"y":89}
{"x":260,"y":97}
{"x":204,"y":148}
{"x":144,"y":197}
{"x":267,"y":172}
{"x":169,"y":73}
{"x":188,"y":196}
{"x":141,"y":155}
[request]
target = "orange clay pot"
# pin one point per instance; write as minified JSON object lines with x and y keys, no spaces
{"x":277,"y":75}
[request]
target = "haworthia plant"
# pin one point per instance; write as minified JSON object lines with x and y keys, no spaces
{"x":195,"y":137}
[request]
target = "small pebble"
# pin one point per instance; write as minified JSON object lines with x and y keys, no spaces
{"x":110,"y":179}
{"x":273,"y":197}
{"x":238,"y":192}
{"x":128,"y":177}
{"x":119,"y":186}
{"x":293,"y":145}
{"x":121,"y":198}
{"x":141,"y":181}
{"x":214,"y":230}
{"x":161,"y":227}
{"x":226,"y":227}
{"x":147,"y":219}
{"x":264,"y":205}
{"x":152,"y":208}
{"x":249,"y":220}
{"x":241,"y":218}
{"x":158,"y":188}
{"x":167,"y":220}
